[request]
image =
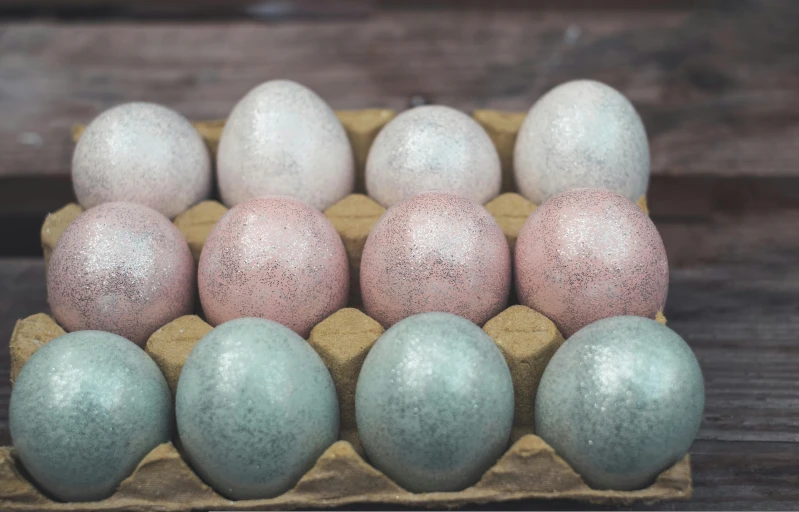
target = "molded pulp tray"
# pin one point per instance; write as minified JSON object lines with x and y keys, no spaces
{"x":341,"y":476}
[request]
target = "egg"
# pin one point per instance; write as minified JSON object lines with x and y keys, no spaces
{"x":85,"y":410}
{"x":275,"y":258}
{"x":255,"y":408}
{"x":142,"y":153}
{"x":432,"y":147}
{"x":434,"y":403}
{"x":283,"y":139}
{"x":581,"y":134}
{"x":588,"y":254}
{"x":632,"y":395}
{"x":435,"y":252}
{"x":122,"y":268}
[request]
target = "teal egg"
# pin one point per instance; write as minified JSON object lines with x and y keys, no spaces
{"x":621,"y":401}
{"x":255,"y":408}
{"x":85,"y":410}
{"x":434,"y":403}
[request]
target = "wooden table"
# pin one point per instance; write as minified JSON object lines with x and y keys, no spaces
{"x":717,"y":85}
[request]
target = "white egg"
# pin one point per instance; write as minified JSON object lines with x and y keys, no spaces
{"x":282,"y":139}
{"x":432,"y":148}
{"x":581,"y":134}
{"x":142,"y":153}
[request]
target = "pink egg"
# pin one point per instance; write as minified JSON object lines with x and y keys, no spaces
{"x":275,"y":258}
{"x":435,"y":252}
{"x":588,"y":254}
{"x":122,"y":268}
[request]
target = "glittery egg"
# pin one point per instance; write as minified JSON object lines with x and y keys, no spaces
{"x":283,"y":139}
{"x":581,"y":134}
{"x":434,"y":403}
{"x":255,"y":408}
{"x":432,"y":148}
{"x":122,"y":268}
{"x":632,"y":395}
{"x":275,"y":258}
{"x":85,"y":410}
{"x":588,"y":254}
{"x":435,"y":252}
{"x":142,"y":153}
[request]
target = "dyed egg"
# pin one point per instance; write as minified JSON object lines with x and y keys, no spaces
{"x":581,"y":134}
{"x":122,"y":268}
{"x":432,"y":148}
{"x":589,"y":254}
{"x":85,"y":410}
{"x":255,"y":408}
{"x":632,"y":394}
{"x":142,"y":153}
{"x":434,"y":403}
{"x":283,"y":139}
{"x":435,"y":252}
{"x":275,"y":258}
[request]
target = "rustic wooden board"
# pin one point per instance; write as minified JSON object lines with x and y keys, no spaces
{"x":718,"y":88}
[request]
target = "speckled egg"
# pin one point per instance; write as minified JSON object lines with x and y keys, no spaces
{"x":581,"y":134}
{"x":588,"y":254}
{"x":142,"y":153}
{"x":122,"y":268}
{"x":85,"y":410}
{"x":435,"y":252}
{"x":283,"y":139}
{"x":275,"y":258}
{"x":434,"y":403}
{"x":255,"y":408}
{"x":632,"y":395}
{"x":432,"y":148}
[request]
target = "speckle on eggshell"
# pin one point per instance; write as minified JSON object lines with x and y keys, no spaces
{"x":434,"y":403}
{"x":283,"y":139}
{"x":142,"y":153}
{"x":122,"y":268}
{"x":275,"y":258}
{"x":588,"y":254}
{"x":581,"y":134}
{"x":86,"y":408}
{"x":631,"y":393}
{"x":432,"y":147}
{"x":255,"y":407}
{"x":435,"y":252}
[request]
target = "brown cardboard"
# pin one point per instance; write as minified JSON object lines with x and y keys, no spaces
{"x":528,"y":340}
{"x":529,"y":469}
{"x":197,"y":222}
{"x":502,"y":127}
{"x":343,"y":340}
{"x":29,"y":336}
{"x":170,"y":345}
{"x":55,"y":224}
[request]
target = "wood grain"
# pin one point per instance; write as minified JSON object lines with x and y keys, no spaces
{"x":718,"y":88}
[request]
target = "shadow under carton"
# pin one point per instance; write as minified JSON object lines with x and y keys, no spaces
{"x":341,"y":476}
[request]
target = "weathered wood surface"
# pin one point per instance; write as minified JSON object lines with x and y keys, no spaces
{"x":717,"y":86}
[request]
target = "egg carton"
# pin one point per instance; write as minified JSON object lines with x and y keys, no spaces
{"x":530,"y":469}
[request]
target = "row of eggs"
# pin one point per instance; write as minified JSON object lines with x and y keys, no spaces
{"x":584,"y":255}
{"x":283,"y":139}
{"x":255,"y":407}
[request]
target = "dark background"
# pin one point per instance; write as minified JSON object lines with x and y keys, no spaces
{"x":716,"y":83}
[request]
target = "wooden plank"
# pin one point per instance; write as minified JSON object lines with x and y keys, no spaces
{"x":719,"y":93}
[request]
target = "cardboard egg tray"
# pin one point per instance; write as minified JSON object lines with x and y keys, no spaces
{"x":530,"y":469}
